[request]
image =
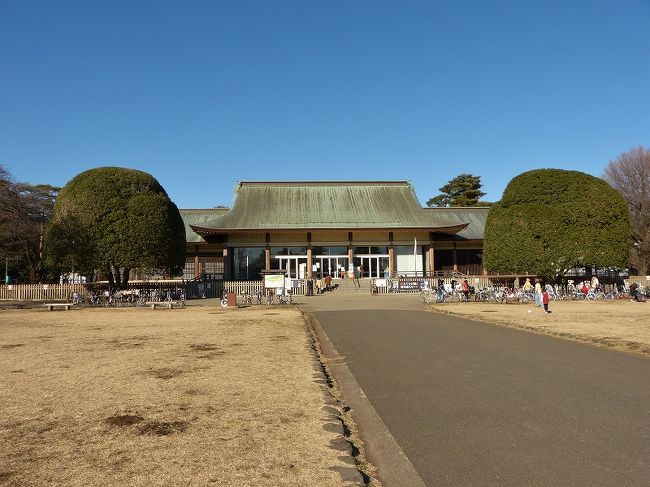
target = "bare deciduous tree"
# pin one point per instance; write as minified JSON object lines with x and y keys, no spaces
{"x":629,"y":173}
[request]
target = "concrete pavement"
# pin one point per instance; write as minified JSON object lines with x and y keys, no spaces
{"x":475,"y":404}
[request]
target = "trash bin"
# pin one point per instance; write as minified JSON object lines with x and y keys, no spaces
{"x":232,"y":299}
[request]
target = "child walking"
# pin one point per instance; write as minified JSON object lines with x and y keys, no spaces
{"x":545,"y":300}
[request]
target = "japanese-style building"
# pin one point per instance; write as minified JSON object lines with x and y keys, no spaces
{"x":311,"y":229}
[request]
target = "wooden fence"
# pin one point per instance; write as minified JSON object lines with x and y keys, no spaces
{"x":40,"y":292}
{"x":215,"y":288}
{"x":640,"y":280}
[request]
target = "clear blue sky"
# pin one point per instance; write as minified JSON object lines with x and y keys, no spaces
{"x":203,"y":94}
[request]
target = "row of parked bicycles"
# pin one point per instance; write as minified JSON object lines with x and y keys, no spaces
{"x":511,"y":295}
{"x":133,"y":298}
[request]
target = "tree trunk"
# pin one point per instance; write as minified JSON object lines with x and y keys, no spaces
{"x":125,"y":277}
{"x":111,"y":277}
{"x":118,"y":277}
{"x":41,"y":268}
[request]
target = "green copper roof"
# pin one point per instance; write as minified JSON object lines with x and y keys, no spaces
{"x":327,"y":205}
{"x":197,"y":217}
{"x":476,"y":216}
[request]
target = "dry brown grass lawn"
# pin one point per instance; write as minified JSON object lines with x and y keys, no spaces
{"x":620,"y":324}
{"x":198,"y":396}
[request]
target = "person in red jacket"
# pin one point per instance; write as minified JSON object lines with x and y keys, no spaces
{"x":545,"y":301}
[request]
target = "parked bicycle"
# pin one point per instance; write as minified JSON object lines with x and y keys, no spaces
{"x":247,"y":298}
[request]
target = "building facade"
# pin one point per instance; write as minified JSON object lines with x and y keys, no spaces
{"x":319,"y":228}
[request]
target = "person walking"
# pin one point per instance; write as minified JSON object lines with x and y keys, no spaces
{"x":538,"y":293}
{"x":466,"y":289}
{"x":545,"y":299}
{"x":357,"y":273}
{"x":328,"y":282}
{"x":319,"y":286}
{"x":310,"y":287}
{"x":528,"y":287}
{"x":595,"y":283}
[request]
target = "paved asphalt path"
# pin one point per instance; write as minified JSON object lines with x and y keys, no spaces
{"x":476,"y":404}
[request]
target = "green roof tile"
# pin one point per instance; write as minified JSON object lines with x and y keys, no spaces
{"x":326,"y":205}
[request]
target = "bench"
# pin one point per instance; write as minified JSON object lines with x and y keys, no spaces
{"x":51,"y":306}
{"x":165,"y":304}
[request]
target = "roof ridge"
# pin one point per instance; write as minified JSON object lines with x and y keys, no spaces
{"x":204,"y":209}
{"x":456,"y":207}
{"x":327,"y":181}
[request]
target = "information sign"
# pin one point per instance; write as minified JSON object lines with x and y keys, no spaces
{"x":274,"y":281}
{"x":409,"y":285}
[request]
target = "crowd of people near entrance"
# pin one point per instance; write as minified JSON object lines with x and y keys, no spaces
{"x":320,"y":285}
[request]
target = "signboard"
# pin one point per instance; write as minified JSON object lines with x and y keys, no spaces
{"x":274,"y":281}
{"x":380,"y":282}
{"x":409,"y":285}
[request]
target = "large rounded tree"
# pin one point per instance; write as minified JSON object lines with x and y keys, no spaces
{"x":114,"y":220}
{"x":551,"y":220}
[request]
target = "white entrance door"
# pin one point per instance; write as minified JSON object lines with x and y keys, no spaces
{"x":295,"y":267}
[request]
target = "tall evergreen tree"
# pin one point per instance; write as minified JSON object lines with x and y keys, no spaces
{"x":463,"y":190}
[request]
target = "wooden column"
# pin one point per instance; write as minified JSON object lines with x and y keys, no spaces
{"x":309,"y":262}
{"x":432,"y":262}
{"x":267,"y":252}
{"x":309,"y":259}
{"x":226,"y":264}
{"x":431,"y":256}
{"x":197,"y":271}
{"x":391,"y":255}
{"x":350,"y":256}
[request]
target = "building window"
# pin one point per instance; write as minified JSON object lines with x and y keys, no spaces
{"x":329,"y":251}
{"x":248,"y":263}
{"x":188,"y":270}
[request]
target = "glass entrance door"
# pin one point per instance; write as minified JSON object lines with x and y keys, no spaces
{"x":294,"y":267}
{"x":373,"y":265}
{"x":330,"y":265}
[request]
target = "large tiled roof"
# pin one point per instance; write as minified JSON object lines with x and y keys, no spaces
{"x":327,"y":205}
{"x":197,"y":217}
{"x":476,"y":216}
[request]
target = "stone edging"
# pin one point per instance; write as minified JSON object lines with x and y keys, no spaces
{"x":379,"y":458}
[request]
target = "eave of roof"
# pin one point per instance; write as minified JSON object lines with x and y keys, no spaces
{"x":452,"y":229}
{"x":197,"y":216}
